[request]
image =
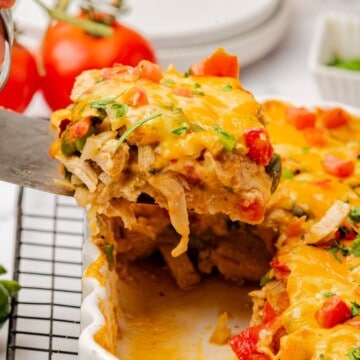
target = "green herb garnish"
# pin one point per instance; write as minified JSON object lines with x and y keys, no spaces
{"x":132,"y":128}
{"x":183,"y":127}
{"x":288,"y":174}
{"x":306,"y":149}
{"x":197,"y":86}
{"x":354,"y":353}
{"x":197,"y":92}
{"x":227,"y":87}
{"x":101,"y":104}
{"x":99,"y":79}
{"x":355,"y":308}
{"x":187,"y":73}
{"x":121,"y":109}
{"x":227,"y":139}
{"x":355,"y":214}
{"x":109,"y":253}
{"x":328,"y":294}
{"x":352,"y":64}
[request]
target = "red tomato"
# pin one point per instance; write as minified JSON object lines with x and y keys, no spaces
{"x":220,"y":63}
{"x":269,"y":313}
{"x":23,"y":80}
{"x":333,"y":311}
{"x":183,"y":92}
{"x":337,"y":167}
{"x":315,"y":136}
{"x":300,"y":117}
{"x":258,"y":142}
{"x":136,"y":96}
{"x":150,"y":71}
{"x":334,"y":118}
{"x":6,"y":4}
{"x":244,"y":344}
{"x":67,"y":50}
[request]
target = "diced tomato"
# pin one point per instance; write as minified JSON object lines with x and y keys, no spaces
{"x":183,"y":92}
{"x":244,"y":344}
{"x":150,"y":71}
{"x":281,"y":271}
{"x":258,"y":142}
{"x":315,"y":136}
{"x":334,"y":118}
{"x":337,"y":167}
{"x":334,"y":311}
{"x":220,"y":63}
{"x":345,"y":232}
{"x":300,"y":117}
{"x":253,"y":210}
{"x":136,"y":96}
{"x":269,"y":313}
{"x":79,"y":129}
{"x":295,"y":227}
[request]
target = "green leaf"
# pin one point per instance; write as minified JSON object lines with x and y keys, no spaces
{"x":11,"y":286}
{"x":183,"y":127}
{"x":132,"y":128}
{"x":227,"y":87}
{"x":101,"y":104}
{"x":288,"y":174}
{"x":109,"y":253}
{"x":355,"y":308}
{"x":197,"y":86}
{"x":197,"y":92}
{"x":354,"y":353}
{"x":187,"y":73}
{"x":121,"y":109}
{"x":328,"y":294}
{"x":2,"y":270}
{"x":227,"y":139}
{"x":355,"y":214}
{"x":99,"y":79}
{"x":266,"y":278}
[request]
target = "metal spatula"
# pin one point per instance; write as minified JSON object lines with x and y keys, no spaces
{"x":24,"y":157}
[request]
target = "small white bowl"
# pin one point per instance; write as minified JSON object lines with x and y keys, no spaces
{"x":336,"y":35}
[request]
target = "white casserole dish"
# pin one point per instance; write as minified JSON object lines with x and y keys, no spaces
{"x":156,"y":320}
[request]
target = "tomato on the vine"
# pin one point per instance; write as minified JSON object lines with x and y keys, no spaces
{"x":67,"y":50}
{"x":23,"y":80}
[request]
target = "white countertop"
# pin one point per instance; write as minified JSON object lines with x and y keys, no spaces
{"x":283,"y":72}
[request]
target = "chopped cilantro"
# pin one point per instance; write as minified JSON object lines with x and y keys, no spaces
{"x":227,"y":139}
{"x":187,"y":73}
{"x":121,"y":109}
{"x":305,"y":149}
{"x":334,"y":251}
{"x":354,"y":353}
{"x":100,"y":104}
{"x":227,"y":87}
{"x":109,"y":253}
{"x":355,"y":308}
{"x":183,"y":127}
{"x":197,"y":92}
{"x":99,"y":79}
{"x":197,"y":86}
{"x":132,"y":128}
{"x":328,"y":294}
{"x":266,"y":278}
{"x":169,"y":81}
{"x":288,"y":174}
{"x":355,"y":214}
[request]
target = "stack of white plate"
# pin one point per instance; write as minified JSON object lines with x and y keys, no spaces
{"x":185,"y":31}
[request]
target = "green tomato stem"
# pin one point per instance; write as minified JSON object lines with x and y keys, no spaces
{"x":89,"y":26}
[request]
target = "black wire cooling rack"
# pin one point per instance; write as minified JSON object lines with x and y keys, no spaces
{"x":45,"y":318}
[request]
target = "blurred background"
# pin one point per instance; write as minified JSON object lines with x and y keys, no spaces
{"x":275,"y":41}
